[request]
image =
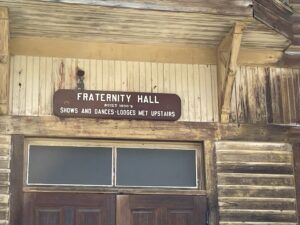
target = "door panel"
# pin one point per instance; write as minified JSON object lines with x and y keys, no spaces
{"x":68,"y":209}
{"x":100,"y":209}
{"x":48,"y":216}
{"x":161,"y":210}
{"x":180,"y":217}
{"x":146,"y":217}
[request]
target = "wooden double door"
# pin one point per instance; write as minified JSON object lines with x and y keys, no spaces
{"x":109,"y":209}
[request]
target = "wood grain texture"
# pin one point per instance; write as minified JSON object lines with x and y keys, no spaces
{"x":266,"y":95}
{"x":236,"y":7}
{"x":16,"y":180}
{"x":78,"y":22}
{"x":181,"y":131}
{"x":274,"y":14}
{"x":250,"y":189}
{"x":296,"y":151}
{"x":160,"y":210}
{"x":4,"y":61}
{"x":66,"y":48}
{"x":37,"y":78}
{"x":5,"y":143}
{"x":232,"y":49}
{"x":211,"y":182}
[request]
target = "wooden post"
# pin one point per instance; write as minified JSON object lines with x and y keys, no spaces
{"x":211,"y":182}
{"x":228,"y":52}
{"x":4,"y":61}
{"x":16,"y":180}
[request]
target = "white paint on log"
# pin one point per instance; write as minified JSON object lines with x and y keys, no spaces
{"x":247,"y":180}
{"x":5,"y":144}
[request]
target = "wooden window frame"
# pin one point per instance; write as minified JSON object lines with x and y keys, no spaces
{"x":196,"y":146}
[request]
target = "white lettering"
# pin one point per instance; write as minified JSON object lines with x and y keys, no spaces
{"x":128,"y":98}
{"x":140,"y":98}
{"x":125,"y":112}
{"x":91,"y":98}
{"x":143,"y":112}
{"x":85,"y":97}
{"x":68,"y":110}
{"x":79,"y":95}
{"x":86,"y":111}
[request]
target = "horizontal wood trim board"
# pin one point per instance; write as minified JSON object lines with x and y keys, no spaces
{"x":51,"y":47}
{"x":178,"y":131}
{"x":113,"y":191}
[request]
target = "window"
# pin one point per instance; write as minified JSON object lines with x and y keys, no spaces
{"x":113,"y":164}
{"x":156,"y":167}
{"x":65,"y":165}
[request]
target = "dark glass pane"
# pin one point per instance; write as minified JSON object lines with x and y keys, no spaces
{"x":151,"y":167}
{"x":70,"y":165}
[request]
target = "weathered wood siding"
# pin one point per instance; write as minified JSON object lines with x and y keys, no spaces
{"x":266,"y":95}
{"x":260,"y":95}
{"x":5,"y":146}
{"x":34,"y":80}
{"x":256,"y":183}
{"x":52,"y":19}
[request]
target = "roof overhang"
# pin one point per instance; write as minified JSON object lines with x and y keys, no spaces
{"x":170,"y":22}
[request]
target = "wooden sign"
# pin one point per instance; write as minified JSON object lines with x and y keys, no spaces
{"x":116,"y":105}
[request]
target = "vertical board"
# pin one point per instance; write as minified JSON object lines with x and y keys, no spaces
{"x":260,"y":96}
{"x":154,"y":78}
{"x":196,"y":87}
{"x":35,"y":86}
{"x":266,"y":95}
{"x":191,"y":96}
{"x":160,"y":78}
{"x":11,"y":83}
{"x":208,"y":92}
{"x":296,"y":80}
{"x":35,"y":79}
{"x":203,"y":93}
{"x":130,"y":78}
{"x":22,"y":76}
{"x":214,"y":77}
{"x":118,"y":77}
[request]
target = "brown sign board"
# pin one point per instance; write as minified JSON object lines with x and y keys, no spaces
{"x":116,"y":105}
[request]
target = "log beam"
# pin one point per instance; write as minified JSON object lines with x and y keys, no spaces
{"x":64,"y":48}
{"x":50,"y":126}
{"x":228,"y":52}
{"x":4,"y":61}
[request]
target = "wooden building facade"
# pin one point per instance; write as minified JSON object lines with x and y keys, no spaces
{"x":232,"y":157}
